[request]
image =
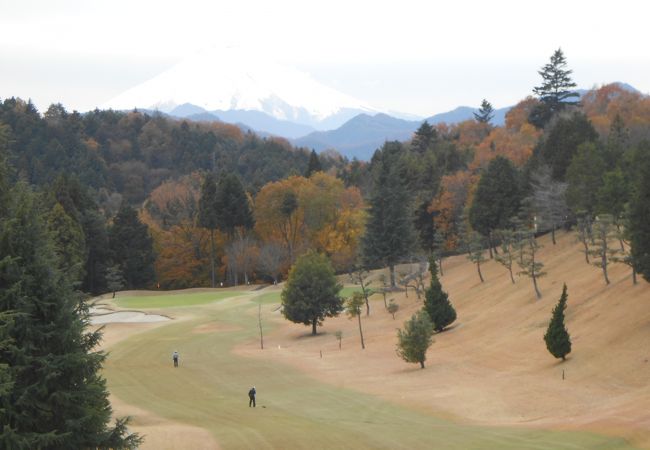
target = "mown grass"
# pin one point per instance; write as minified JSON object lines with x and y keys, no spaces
{"x":174,"y":300}
{"x":274,"y":297}
{"x":294,"y":411}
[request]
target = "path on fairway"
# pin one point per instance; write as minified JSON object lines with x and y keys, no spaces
{"x":208,"y":392}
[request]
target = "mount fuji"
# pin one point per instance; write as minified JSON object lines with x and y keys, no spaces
{"x":236,"y":86}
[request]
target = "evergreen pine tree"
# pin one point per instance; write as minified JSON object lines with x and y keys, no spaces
{"x":209,"y":215}
{"x":389,"y":231}
{"x":436,"y":301}
{"x":558,"y":341}
{"x":485,"y":112}
{"x":555,"y":92}
{"x":639,"y":216}
{"x":233,"y":207}
{"x":314,"y":164}
{"x":496,"y":200}
{"x":53,"y":395}
{"x":415,"y":339}
{"x":132,"y":248}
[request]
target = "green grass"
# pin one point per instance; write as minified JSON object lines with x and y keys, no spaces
{"x":294,"y":411}
{"x":274,"y":297}
{"x":174,"y":300}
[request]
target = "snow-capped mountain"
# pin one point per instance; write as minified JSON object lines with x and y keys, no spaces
{"x":231,"y":79}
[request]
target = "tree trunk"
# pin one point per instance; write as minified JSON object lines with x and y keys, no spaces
{"x":553,"y":234}
{"x":604,"y":264}
{"x":633,"y":275}
{"x":363,"y":345}
{"x":511,"y":277}
{"x":422,"y":364}
{"x":440,"y":266}
{"x":392,"y":275}
{"x":539,"y":294}
{"x":586,"y":250}
{"x":480,"y":275}
{"x":313,"y":327}
{"x":114,"y":291}
{"x":212,"y":254}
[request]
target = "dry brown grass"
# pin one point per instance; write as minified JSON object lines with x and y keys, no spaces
{"x":492,"y":366}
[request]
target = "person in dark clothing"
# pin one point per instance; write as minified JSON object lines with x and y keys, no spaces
{"x":175,"y":358}
{"x":251,"y":397}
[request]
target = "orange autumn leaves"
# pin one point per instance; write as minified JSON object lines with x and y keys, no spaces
{"x":327,"y":216}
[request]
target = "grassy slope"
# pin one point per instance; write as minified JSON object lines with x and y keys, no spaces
{"x":209,"y":391}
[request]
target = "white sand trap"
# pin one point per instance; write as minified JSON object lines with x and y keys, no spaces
{"x":127,"y":317}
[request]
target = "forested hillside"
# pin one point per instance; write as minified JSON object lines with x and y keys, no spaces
{"x":127,"y":190}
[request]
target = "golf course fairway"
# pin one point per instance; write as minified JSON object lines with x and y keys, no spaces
{"x":294,"y":411}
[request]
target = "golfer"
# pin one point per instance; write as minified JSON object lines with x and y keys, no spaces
{"x":175,"y":358}
{"x":251,"y":397}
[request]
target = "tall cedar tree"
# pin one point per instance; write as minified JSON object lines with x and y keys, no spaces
{"x":416,"y":338}
{"x":389,"y":233}
{"x":436,"y":301}
{"x":55,"y":397}
{"x":558,"y":341}
{"x":558,"y":146}
{"x":209,"y":215}
{"x":497,"y":199}
{"x":556,"y":91}
{"x":424,"y":137}
{"x":639,"y":215}
{"x":311,"y":292}
{"x":314,"y":164}
{"x":485,"y":112}
{"x":132,"y":248}
{"x":585,"y":176}
{"x":233,"y":208}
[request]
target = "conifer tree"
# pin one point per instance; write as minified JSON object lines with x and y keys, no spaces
{"x":476,"y":251}
{"x":529,"y":261}
{"x":209,"y":215}
{"x":314,"y":164}
{"x":389,"y":231}
{"x":485,"y":112}
{"x":436,"y":301}
{"x":496,"y":200}
{"x":508,"y":249}
{"x":558,"y":341}
{"x":132,"y":248}
{"x":353,"y":307}
{"x":639,"y":217}
{"x":52,"y":395}
{"x":555,"y":92}
{"x":415,"y":339}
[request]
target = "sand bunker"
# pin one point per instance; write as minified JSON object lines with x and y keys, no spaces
{"x":127,"y":317}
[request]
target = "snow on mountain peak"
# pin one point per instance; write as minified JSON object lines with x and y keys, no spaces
{"x":231,"y":79}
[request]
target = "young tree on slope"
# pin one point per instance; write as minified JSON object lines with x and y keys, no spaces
{"x":54,"y":396}
{"x":415,"y":339}
{"x":353,"y":307}
{"x":436,"y":302}
{"x":558,"y":341}
{"x":311,"y":292}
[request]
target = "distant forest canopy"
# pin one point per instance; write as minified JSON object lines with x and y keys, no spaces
{"x":111,"y":177}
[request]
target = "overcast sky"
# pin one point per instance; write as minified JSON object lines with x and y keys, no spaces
{"x":419,"y":57}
